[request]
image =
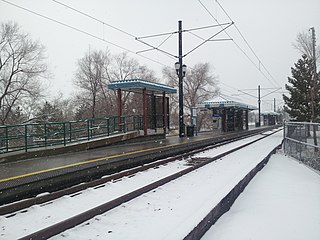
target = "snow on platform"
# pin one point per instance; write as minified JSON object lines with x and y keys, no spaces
{"x":173,"y":210}
{"x":281,"y":202}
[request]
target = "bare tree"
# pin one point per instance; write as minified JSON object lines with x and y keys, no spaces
{"x":304,"y":45}
{"x":95,"y":70}
{"x":91,"y":76}
{"x":198,"y":85}
{"x":21,"y":66}
{"x":123,"y":68}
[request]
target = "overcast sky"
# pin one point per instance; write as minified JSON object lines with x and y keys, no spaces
{"x":270,"y":27}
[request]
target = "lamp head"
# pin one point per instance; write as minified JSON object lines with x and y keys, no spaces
{"x":184,"y":69}
{"x":177,"y":67}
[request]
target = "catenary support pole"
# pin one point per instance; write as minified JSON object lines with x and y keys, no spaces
{"x":181,"y":121}
{"x":259,"y":105}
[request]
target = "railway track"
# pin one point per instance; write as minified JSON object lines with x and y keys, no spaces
{"x":165,"y":170}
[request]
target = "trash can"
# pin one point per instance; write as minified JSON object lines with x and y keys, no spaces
{"x":190,"y":131}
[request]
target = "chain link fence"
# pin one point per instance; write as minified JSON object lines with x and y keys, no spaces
{"x":301,"y":141}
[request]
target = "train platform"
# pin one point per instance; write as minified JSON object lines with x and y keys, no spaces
{"x":33,"y":176}
{"x":21,"y":168}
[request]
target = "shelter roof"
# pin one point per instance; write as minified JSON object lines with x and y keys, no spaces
{"x":223,"y":101}
{"x":270,"y":113}
{"x":137,"y":85}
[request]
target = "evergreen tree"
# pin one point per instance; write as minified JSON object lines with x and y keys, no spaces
{"x":49,"y":113}
{"x":299,"y":104}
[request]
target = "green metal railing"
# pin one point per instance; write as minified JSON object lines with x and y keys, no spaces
{"x":35,"y":135}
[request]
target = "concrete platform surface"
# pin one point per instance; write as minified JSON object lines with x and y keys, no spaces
{"x":35,"y":165}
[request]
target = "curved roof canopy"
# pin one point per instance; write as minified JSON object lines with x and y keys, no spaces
{"x":137,"y":85}
{"x":223,"y":101}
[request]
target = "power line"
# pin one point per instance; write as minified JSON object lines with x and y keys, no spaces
{"x":96,"y":19}
{"x":118,"y":29}
{"x":238,"y":46}
{"x":244,"y":39}
{"x":83,"y":32}
{"x":209,"y":39}
{"x":139,"y":38}
{"x":227,"y":25}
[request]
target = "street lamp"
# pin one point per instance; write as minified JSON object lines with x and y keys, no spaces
{"x":184,"y":69}
{"x":181,"y":72}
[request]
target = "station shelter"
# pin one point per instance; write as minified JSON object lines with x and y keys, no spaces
{"x":270,"y":118}
{"x":155,"y":103}
{"x":228,"y":113}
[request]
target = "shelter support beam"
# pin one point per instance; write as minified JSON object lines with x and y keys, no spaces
{"x":145,"y":119}
{"x":164,"y":103}
{"x":119,"y":103}
{"x":247,"y":119}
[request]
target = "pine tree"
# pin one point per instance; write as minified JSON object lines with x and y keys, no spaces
{"x":49,"y":113}
{"x":299,"y":104}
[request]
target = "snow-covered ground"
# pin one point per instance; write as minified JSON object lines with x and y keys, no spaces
{"x":281,"y":202}
{"x":173,"y":210}
{"x":44,"y":215}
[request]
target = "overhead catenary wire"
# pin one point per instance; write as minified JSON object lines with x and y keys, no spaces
{"x":122,"y":31}
{"x":118,"y":29}
{"x":83,"y":32}
{"x":238,"y":46}
{"x":212,"y":40}
{"x":94,"y":18}
{"x":227,"y":25}
{"x":184,"y":30}
{"x":139,"y":38}
{"x":206,"y":40}
{"x":247,"y":43}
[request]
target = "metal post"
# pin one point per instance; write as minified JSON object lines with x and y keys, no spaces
{"x":168,"y":115}
{"x":6,"y":137}
{"x":247,"y":119}
{"x":181,"y":122}
{"x":314,"y":87}
{"x":64,"y":134}
{"x":145,"y":120}
{"x":259,"y":106}
{"x":154,"y":111}
{"x":108,"y":126}
{"x":284,"y":136}
{"x":164,"y":107}
{"x":88,"y":129}
{"x":45,"y":135}
{"x":26,"y":137}
{"x":119,"y":109}
{"x":70,"y":132}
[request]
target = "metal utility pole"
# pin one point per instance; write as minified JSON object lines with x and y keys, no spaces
{"x":259,"y":98}
{"x":314,"y":86}
{"x":274,"y":105}
{"x":313,"y":77}
{"x":181,"y":121}
{"x":259,"y":105}
{"x":179,"y":66}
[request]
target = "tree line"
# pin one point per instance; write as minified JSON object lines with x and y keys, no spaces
{"x":24,"y":74}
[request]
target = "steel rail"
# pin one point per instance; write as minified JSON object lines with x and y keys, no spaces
{"x":43,"y":198}
{"x":84,"y":216}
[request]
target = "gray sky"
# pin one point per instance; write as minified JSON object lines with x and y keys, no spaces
{"x":270,"y":27}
